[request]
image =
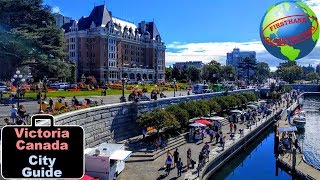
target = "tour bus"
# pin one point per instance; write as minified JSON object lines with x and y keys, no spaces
{"x":200,"y":89}
{"x":106,"y":161}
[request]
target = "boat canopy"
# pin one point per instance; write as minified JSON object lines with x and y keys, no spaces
{"x":287,"y":129}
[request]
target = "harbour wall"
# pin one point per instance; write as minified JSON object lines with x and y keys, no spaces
{"x":117,"y":122}
{"x":306,"y":87}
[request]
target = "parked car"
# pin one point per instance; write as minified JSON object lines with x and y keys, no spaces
{"x":60,"y":85}
{"x":3,"y":88}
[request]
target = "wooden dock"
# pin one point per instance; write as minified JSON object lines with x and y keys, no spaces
{"x":301,"y":169}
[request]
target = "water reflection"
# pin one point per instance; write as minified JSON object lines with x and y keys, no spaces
{"x":310,"y":138}
{"x":257,"y":161}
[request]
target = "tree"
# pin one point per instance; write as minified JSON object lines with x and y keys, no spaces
{"x":163,"y":120}
{"x":221,"y":101}
{"x":193,"y":74}
{"x":145,"y":120}
{"x":312,"y":76}
{"x":176,"y":73}
{"x":242,"y":98}
{"x":246,"y":65}
{"x":291,"y":73}
{"x":169,"y":73}
{"x":213,"y":106}
{"x":32,"y":37}
{"x":159,"y":119}
{"x":191,"y":108}
{"x":228,"y":72}
{"x":212,"y":71}
{"x":203,"y":106}
{"x":262,"y":71}
{"x":181,"y":114}
{"x":250,"y":96}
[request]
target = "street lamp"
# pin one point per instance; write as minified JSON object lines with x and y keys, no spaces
{"x":18,"y":78}
{"x":45,"y":81}
{"x":40,"y":85}
{"x":123,"y":80}
{"x":174,"y":87}
{"x":214,"y":76}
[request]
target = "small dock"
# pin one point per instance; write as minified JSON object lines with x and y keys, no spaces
{"x":292,"y":161}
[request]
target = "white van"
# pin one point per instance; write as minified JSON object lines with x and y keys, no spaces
{"x":109,"y":163}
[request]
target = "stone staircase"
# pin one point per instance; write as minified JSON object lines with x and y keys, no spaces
{"x":148,"y":155}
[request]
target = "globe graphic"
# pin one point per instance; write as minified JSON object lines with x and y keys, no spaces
{"x":289,"y":30}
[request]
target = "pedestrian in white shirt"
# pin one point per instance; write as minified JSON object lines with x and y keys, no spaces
{"x":14,"y":113}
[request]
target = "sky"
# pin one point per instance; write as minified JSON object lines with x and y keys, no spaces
{"x":196,"y":30}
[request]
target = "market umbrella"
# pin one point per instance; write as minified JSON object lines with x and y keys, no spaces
{"x":197,"y":125}
{"x":252,"y":106}
{"x":216,"y":118}
{"x":236,"y":111}
{"x":204,"y":121}
{"x":86,"y":177}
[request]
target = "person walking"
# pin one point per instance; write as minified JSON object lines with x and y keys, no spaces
{"x":201,"y":157}
{"x":235,"y":128}
{"x":189,"y":158}
{"x":223,"y":141}
{"x":217,"y":137}
{"x":211,"y":133}
{"x":13,"y":113}
{"x":51,"y":104}
{"x":179,"y":167}
{"x":168,"y":164}
{"x":175,"y":157}
{"x":231,"y":127}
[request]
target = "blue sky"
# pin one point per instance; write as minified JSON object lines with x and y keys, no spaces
{"x":194,"y":30}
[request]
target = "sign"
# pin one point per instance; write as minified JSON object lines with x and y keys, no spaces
{"x":42,"y":151}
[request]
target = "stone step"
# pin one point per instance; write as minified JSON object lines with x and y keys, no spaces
{"x":147,"y":154}
{"x":142,"y":159}
{"x":171,"y":141}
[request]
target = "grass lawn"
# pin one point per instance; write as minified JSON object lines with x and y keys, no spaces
{"x":33,"y":95}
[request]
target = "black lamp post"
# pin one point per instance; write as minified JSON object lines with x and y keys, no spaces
{"x":18,"y":78}
{"x":123,"y":80}
{"x":174,"y":87}
{"x":45,"y":81}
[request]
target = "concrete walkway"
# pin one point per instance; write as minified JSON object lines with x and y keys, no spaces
{"x":155,"y":169}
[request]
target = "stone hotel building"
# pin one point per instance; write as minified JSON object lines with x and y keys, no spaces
{"x":111,"y":48}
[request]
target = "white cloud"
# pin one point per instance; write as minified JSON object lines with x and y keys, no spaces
{"x":314,"y":5}
{"x":181,"y":52}
{"x":55,"y":9}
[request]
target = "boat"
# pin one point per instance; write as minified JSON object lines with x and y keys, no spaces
{"x":299,"y":119}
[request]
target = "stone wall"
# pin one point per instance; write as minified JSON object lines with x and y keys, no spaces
{"x":306,"y":87}
{"x":116,"y":122}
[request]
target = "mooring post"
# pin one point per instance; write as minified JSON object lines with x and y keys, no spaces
{"x":294,"y":153}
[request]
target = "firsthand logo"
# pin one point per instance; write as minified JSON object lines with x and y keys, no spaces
{"x":42,"y":151}
{"x":289,"y":30}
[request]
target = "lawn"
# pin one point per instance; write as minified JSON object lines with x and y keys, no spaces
{"x":63,"y":93}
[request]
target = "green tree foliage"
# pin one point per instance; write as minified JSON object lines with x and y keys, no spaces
{"x":228,"y":70}
{"x":246,"y":65}
{"x":289,"y":71}
{"x":262,"y":72}
{"x":169,"y":73}
{"x":145,"y":120}
{"x":221,"y":101}
{"x":192,"y":109}
{"x":32,"y":37}
{"x":176,"y":73}
{"x":203,"y":106}
{"x":242,"y":98}
{"x":193,"y":74}
{"x":181,"y":114}
{"x":250,"y":96}
{"x":312,"y":76}
{"x":212,"y":71}
{"x":213,"y":106}
{"x":159,"y":119}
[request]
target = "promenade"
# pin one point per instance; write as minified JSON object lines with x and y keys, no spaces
{"x":32,"y":106}
{"x":154,"y":169}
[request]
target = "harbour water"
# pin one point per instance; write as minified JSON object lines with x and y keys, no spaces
{"x":257,"y":161}
{"x":311,"y":138}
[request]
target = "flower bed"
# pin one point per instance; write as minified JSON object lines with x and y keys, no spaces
{"x":115,"y":86}
{"x":71,"y":109}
